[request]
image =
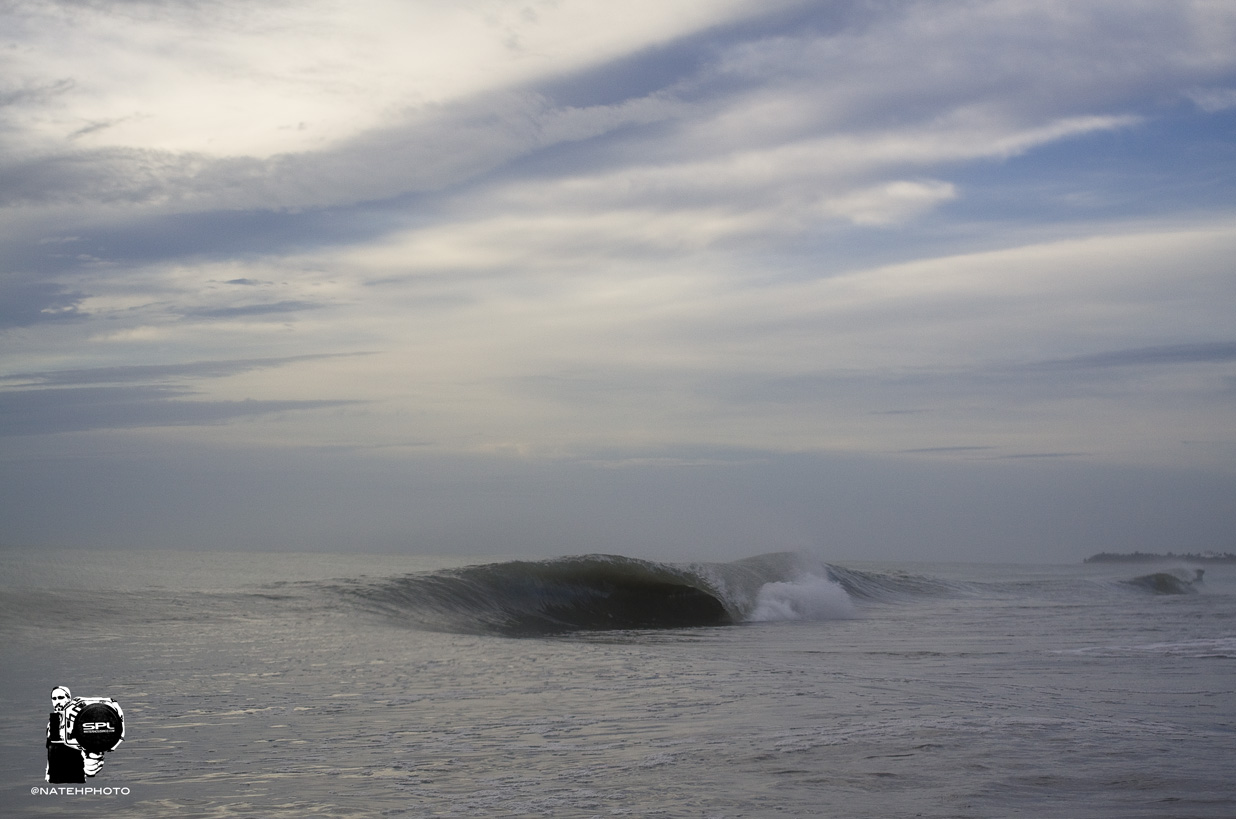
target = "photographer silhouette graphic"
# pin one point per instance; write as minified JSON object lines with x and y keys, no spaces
{"x":80,"y":730}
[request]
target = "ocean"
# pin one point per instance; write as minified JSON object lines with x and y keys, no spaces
{"x":313,"y":685}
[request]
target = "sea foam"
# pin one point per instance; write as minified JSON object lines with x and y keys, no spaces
{"x":806,"y":598}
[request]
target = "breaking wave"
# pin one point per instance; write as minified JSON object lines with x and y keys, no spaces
{"x":603,"y":592}
{"x":811,"y":598}
{"x":1163,"y":583}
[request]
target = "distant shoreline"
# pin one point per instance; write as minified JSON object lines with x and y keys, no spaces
{"x":1150,"y":557}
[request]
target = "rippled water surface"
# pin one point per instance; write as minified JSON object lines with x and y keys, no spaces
{"x":315,"y":685}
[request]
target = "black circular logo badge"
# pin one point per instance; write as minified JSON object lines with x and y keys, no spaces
{"x":98,"y":727}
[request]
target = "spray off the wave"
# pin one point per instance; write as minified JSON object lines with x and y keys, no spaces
{"x":807,"y":598}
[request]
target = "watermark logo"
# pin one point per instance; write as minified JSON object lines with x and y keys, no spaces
{"x":74,"y":790}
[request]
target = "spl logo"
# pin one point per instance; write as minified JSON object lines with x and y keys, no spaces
{"x":96,"y":727}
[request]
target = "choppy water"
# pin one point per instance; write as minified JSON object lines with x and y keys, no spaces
{"x":317,"y":685}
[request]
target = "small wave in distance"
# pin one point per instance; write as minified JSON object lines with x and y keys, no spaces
{"x":1163,"y":583}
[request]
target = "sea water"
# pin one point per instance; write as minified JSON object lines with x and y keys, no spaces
{"x":303,"y":685}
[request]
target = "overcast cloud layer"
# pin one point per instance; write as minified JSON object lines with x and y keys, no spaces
{"x":879,"y":279}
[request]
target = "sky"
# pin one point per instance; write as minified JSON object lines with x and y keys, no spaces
{"x":688,"y":279}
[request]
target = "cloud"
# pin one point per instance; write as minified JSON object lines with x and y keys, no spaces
{"x":289,"y":111}
{"x":714,"y":222}
{"x":41,"y":91}
{"x":74,"y":409}
{"x":892,"y":239}
{"x":1213,"y":100}
{"x":1219,"y":352}
{"x":580,"y":350}
{"x":276,"y":308}
{"x":824,"y":83}
{"x":889,"y":203}
{"x":139,"y":396}
{"x":24,"y":303}
{"x":137,"y":373}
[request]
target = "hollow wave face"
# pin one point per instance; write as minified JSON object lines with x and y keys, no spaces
{"x":524,"y":598}
{"x":607,"y":592}
{"x":1162,"y":583}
